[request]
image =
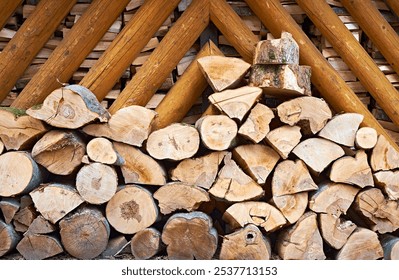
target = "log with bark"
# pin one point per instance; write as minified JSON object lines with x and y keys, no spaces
{"x":390,"y":245}
{"x":9,"y":238}
{"x":9,"y":207}
{"x":366,"y":138}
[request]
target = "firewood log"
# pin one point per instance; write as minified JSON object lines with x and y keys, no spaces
{"x":292,"y":177}
{"x":390,"y":245}
{"x":384,"y":156}
{"x":39,"y":247}
{"x":254,"y":212}
{"x":140,"y":168}
{"x":9,"y":206}
{"x":310,"y":113}
{"x":19,"y":174}
{"x":85,"y":233}
{"x":96,"y":183}
{"x":190,"y":236}
{"x":131,"y":209}
{"x":318,"y":153}
{"x":233,"y":185}
{"x":101,"y":150}
{"x":60,"y":152}
{"x":146,"y":243}
{"x":40,"y":226}
{"x":342,"y":129}
{"x":69,"y":107}
{"x":26,"y":216}
{"x":381,"y":214}
{"x":236,"y":103}
{"x":283,"y":139}
{"x":8,"y":238}
{"x":217,"y":132}
{"x":54,"y":200}
{"x":366,"y":138}
{"x":19,"y":131}
{"x":247,"y":243}
{"x":256,"y":126}
{"x":116,"y":245}
{"x":332,"y":198}
{"x":130,"y":125}
{"x":334,"y":230}
{"x":292,"y":206}
{"x":354,"y":171}
{"x":1,"y":147}
{"x":200,"y":171}
{"x":176,"y":196}
{"x":363,"y":244}
{"x":256,"y":160}
{"x":389,"y":182}
{"x":175,"y":142}
{"x":301,"y":241}
{"x":223,"y":72}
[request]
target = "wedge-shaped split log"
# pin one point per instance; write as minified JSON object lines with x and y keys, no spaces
{"x":256,"y":126}
{"x":292,"y":206}
{"x":24,"y":218}
{"x":9,"y":238}
{"x":9,"y":206}
{"x":283,"y":139}
{"x":101,"y":150}
{"x":366,"y":138}
{"x":39,"y":247}
{"x":389,"y":182}
{"x":334,"y":230}
{"x":40,"y":226}
{"x":390,"y":245}
{"x":70,"y":107}
{"x":384,"y":156}
{"x":146,"y":243}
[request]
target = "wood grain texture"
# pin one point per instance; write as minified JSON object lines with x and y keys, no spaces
{"x":7,"y":9}
{"x":394,"y":5}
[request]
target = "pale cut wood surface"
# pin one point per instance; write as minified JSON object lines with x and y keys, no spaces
{"x":384,"y":156}
{"x":146,"y":243}
{"x":102,"y":150}
{"x":334,"y":230}
{"x":366,"y":138}
{"x":40,"y":226}
{"x":39,"y":247}
{"x":389,"y":182}
{"x":283,"y":139}
{"x":256,"y":126}
{"x":292,"y":206}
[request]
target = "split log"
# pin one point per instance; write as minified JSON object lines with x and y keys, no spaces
{"x":283,"y":139}
{"x":380,"y":214}
{"x":366,"y":138}
{"x":247,"y":243}
{"x":130,"y":125}
{"x":292,"y":177}
{"x":254,"y":212}
{"x":282,"y":80}
{"x":190,"y":236}
{"x":354,"y":171}
{"x":256,"y":126}
{"x":20,"y":228}
{"x":96,"y":183}
{"x":19,"y":174}
{"x":236,"y":103}
{"x":131,"y":209}
{"x":8,"y":238}
{"x":200,"y":171}
{"x":26,"y":216}
{"x":60,"y":152}
{"x":233,"y":185}
{"x":39,"y":247}
{"x":334,"y":230}
{"x":40,"y":226}
{"x":140,"y":168}
{"x":9,"y":206}
{"x":19,"y":131}
{"x":175,"y":142}
{"x":292,"y":206}
{"x":342,"y":129}
{"x":101,"y":150}
{"x":116,"y":245}
{"x":217,"y":132}
{"x":256,"y":160}
{"x":390,"y":245}
{"x":318,"y":153}
{"x":54,"y":201}
{"x":176,"y":196}
{"x":389,"y":182}
{"x":1,"y":147}
{"x":363,"y":244}
{"x":301,"y":241}
{"x":310,"y":113}
{"x":70,"y":107}
{"x":223,"y":72}
{"x":384,"y":156}
{"x":85,"y":233}
{"x":332,"y":198}
{"x":146,"y":243}
{"x":277,"y":51}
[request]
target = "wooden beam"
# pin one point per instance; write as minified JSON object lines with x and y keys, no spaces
{"x":7,"y":9}
{"x":183,"y":95}
{"x":29,"y":40}
{"x":68,"y":56}
{"x":377,"y":29}
{"x":394,"y":5}
{"x":165,"y":57}
{"x":127,"y":46}
{"x":332,"y":87}
{"x":361,"y":64}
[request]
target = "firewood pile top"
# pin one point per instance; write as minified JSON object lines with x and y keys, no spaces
{"x":269,"y":170}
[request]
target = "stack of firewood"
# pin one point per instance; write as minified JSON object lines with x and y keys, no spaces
{"x":251,"y":180}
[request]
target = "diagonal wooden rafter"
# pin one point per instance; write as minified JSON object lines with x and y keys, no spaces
{"x":394,"y":5}
{"x":7,"y":9}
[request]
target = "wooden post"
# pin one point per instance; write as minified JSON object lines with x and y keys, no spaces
{"x":7,"y":8}
{"x":361,"y":64}
{"x":127,"y":45}
{"x":332,"y":87}
{"x":68,"y":56}
{"x":29,"y":40}
{"x":163,"y":59}
{"x":377,"y":29}
{"x":394,"y":5}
